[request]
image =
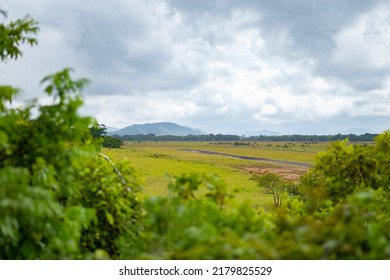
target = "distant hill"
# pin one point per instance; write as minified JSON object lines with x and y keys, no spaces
{"x":111,"y":129}
{"x":158,"y":129}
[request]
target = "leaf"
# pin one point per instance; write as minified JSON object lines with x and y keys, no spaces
{"x":109,"y":218}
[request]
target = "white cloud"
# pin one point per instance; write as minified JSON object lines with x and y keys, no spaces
{"x":366,"y":42}
{"x":139,"y":108}
{"x":250,"y":65}
{"x":268,"y":109}
{"x":319,"y":84}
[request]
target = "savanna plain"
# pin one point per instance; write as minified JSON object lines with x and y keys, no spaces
{"x":156,"y":162}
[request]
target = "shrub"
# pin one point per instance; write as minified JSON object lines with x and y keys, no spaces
{"x":60,"y":199}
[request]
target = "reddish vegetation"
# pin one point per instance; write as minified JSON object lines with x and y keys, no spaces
{"x":288,"y":172}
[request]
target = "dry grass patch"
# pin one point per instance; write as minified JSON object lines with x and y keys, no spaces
{"x":288,"y":172}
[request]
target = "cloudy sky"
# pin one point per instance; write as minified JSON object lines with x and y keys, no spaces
{"x":302,"y":66}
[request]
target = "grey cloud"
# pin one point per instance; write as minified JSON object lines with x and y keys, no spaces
{"x":311,"y":23}
{"x":225,"y":60}
{"x":125,"y":44}
{"x":310,"y":27}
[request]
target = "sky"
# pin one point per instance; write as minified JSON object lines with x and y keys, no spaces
{"x":223,"y":66}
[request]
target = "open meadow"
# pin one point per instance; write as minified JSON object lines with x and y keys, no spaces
{"x":153,"y":161}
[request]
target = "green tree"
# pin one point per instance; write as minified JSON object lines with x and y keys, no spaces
{"x":59,"y":198}
{"x":275,"y":185}
{"x":14,"y":34}
{"x":343,"y":212}
{"x":346,"y":168}
{"x":111,"y":142}
{"x":98,"y":130}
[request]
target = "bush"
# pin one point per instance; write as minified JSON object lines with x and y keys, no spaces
{"x":275,"y":184}
{"x":79,"y":205}
{"x":344,"y":210}
{"x":191,"y":224}
{"x":344,"y":168}
{"x":60,"y":199}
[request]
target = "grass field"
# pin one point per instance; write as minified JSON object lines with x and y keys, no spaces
{"x":154,"y":160}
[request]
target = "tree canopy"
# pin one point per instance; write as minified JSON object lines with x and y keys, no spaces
{"x":242,"y":139}
{"x":58,"y":197}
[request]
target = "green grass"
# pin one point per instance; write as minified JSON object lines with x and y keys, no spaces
{"x":153,"y":161}
{"x":304,"y":152}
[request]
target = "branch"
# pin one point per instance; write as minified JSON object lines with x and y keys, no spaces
{"x":117,"y":171}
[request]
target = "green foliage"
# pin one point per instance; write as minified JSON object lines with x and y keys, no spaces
{"x":355,"y":229}
{"x":186,"y":185}
{"x":59,"y":198}
{"x":113,"y":200}
{"x":61,"y":85}
{"x":99,"y":132}
{"x":7,"y":93}
{"x":111,"y":142}
{"x":190,"y":224}
{"x":275,"y":184}
{"x":245,"y":141}
{"x":344,"y":168}
{"x":14,"y":34}
{"x":69,"y":203}
{"x":33,"y":225}
{"x":344,"y":211}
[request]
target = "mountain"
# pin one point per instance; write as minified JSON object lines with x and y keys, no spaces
{"x":261,"y":132}
{"x":111,"y":129}
{"x":163,"y":128}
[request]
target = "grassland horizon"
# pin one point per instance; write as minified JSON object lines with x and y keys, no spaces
{"x":154,"y":161}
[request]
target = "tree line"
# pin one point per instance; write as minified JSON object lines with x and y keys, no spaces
{"x":99,"y":132}
{"x":367,"y":137}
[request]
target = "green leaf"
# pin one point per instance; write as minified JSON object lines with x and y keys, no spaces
{"x":109,"y":218}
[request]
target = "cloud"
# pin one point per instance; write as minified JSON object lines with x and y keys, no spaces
{"x":365,"y":43}
{"x":224,"y":66}
{"x":361,"y":49}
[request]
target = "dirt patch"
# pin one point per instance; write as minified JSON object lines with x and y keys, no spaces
{"x":287,"y":172}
